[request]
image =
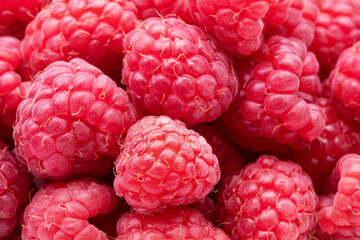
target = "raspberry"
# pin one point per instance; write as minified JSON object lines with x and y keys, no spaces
{"x":223,"y":147}
{"x":176,"y":223}
{"x":154,"y":8}
{"x":300,"y":22}
{"x":269,"y":113}
{"x":88,"y":29}
{"x":339,"y":137}
{"x":163,"y":164}
{"x":337,"y":28}
{"x":72,"y":121}
{"x":170,"y":68}
{"x":62,"y":210}
{"x":237,"y":25}
{"x":15,"y":182}
{"x":344,"y":82}
{"x":339,"y":217}
{"x":12,"y":91}
{"x":16,"y":14}
{"x":269,"y":199}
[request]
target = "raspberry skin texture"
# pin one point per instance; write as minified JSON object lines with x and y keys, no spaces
{"x":237,"y":25}
{"x":171,"y":69}
{"x":156,"y":8}
{"x":15,"y":183}
{"x":268,"y":199}
{"x":336,"y":28}
{"x":163,"y":164}
{"x":225,"y":149}
{"x":300,"y":22}
{"x":72,"y":121}
{"x":344,"y":81}
{"x":269,"y":112}
{"x":89,"y":29}
{"x":62,"y":210}
{"x":173,"y":223}
{"x":15,"y":15}
{"x":339,"y":216}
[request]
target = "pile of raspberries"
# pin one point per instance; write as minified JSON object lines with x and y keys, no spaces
{"x":180,"y":119}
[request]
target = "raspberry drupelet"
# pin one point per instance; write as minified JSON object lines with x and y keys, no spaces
{"x":72,"y":121}
{"x":336,"y":28}
{"x":268,"y":199}
{"x":171,"y":68}
{"x":16,"y":14}
{"x":163,"y":164}
{"x":62,"y":210}
{"x":89,"y":29}
{"x":238,"y":25}
{"x":339,"y":214}
{"x":270,"y":107}
{"x":173,"y":223}
{"x":15,"y":183}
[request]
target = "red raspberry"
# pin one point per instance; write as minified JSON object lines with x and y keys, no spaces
{"x":344,"y":82}
{"x":176,"y":223}
{"x":163,"y":164}
{"x":15,"y":182}
{"x":206,"y":207}
{"x":237,"y":25}
{"x":72,"y":121}
{"x":337,"y":28}
{"x":300,"y":22}
{"x":269,"y":108}
{"x":156,"y":8}
{"x":16,"y":14}
{"x":268,"y":199}
{"x":227,"y":152}
{"x":339,"y":137}
{"x":12,"y":91}
{"x":88,"y":29}
{"x":170,"y":68}
{"x":340,"y":217}
{"x":62,"y":210}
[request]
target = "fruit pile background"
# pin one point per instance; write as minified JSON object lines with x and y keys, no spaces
{"x":181,"y":119}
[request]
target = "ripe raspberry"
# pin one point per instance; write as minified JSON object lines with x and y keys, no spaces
{"x":339,"y":137}
{"x":62,"y":210}
{"x":337,"y":28}
{"x":163,"y":164}
{"x":269,"y":108}
{"x":269,"y":199}
{"x":12,"y":91}
{"x":237,"y":25}
{"x":88,"y":29}
{"x":72,"y":121}
{"x":344,"y":81}
{"x":227,"y":152}
{"x":154,"y":8}
{"x":300,"y":22}
{"x":340,"y":218}
{"x":176,"y":223}
{"x":15,"y":182}
{"x":170,"y":68}
{"x":16,"y":14}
